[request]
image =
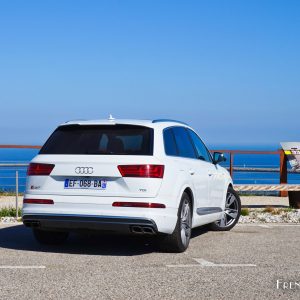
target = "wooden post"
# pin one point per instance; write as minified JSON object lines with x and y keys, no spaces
{"x":231,"y":165}
{"x":283,"y":172}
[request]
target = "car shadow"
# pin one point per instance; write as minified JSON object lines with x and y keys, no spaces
{"x":196,"y":232}
{"x":21,"y":238}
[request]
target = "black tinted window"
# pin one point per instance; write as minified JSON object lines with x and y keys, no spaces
{"x":169,"y":142}
{"x":183,"y":142}
{"x":100,"y":139}
{"x":200,"y":147}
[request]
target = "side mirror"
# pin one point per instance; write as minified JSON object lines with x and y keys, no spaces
{"x":218,"y":157}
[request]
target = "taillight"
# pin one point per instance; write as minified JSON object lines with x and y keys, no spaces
{"x":39,"y":169}
{"x":38,"y":201}
{"x":149,"y":171}
{"x":139,"y":204}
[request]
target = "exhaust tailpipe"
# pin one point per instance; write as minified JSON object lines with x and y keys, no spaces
{"x":148,"y":230}
{"x":136,"y":229}
{"x":32,"y":223}
{"x":142,"y":230}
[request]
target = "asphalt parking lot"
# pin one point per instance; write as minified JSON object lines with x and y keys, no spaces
{"x":244,"y":263}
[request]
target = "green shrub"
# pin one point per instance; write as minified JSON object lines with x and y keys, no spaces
{"x":245,"y":211}
{"x":9,"y":212}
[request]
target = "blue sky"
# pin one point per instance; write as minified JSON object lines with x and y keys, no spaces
{"x":229,"y":68}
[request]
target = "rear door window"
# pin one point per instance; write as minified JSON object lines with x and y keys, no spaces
{"x":183,"y":142}
{"x":100,"y":140}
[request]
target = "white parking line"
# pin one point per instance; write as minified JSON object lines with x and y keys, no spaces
{"x":264,"y":226}
{"x":22,"y":267}
{"x":183,"y":266}
{"x":205,"y":263}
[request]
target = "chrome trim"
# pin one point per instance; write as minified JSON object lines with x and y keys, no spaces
{"x":208,"y":210}
{"x":87,"y":216}
{"x":84,"y":170}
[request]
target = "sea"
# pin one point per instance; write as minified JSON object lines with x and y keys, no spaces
{"x":8,"y":174}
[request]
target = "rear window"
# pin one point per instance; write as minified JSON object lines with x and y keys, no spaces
{"x":101,"y":140}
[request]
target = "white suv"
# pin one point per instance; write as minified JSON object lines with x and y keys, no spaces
{"x":131,"y":176}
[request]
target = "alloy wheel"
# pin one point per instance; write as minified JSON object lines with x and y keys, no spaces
{"x":230,"y":213}
{"x":185,"y":222}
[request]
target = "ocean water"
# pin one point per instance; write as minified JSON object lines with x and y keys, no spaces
{"x":8,"y":174}
{"x":8,"y":182}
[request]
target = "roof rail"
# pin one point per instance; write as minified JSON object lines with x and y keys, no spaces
{"x":75,"y":120}
{"x":168,"y":120}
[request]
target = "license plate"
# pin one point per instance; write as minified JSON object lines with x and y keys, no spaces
{"x":88,"y":184}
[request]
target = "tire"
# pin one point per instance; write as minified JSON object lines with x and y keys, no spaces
{"x":178,"y":241}
{"x":231,"y":213}
{"x":50,"y":237}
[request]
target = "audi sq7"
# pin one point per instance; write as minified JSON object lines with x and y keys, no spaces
{"x":138,"y":177}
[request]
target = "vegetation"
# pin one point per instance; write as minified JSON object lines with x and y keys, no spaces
{"x":269,"y":209}
{"x":9,"y":193}
{"x":245,"y":211}
{"x":277,"y":211}
{"x":9,"y":212}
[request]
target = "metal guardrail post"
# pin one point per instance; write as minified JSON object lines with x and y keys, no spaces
{"x":283,"y":172}
{"x":231,"y":165}
{"x":17,"y":193}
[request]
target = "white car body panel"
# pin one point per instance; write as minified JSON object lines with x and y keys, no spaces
{"x":207,"y":182}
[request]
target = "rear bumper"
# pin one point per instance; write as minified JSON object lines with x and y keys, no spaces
{"x":101,"y":223}
{"x":99,"y":207}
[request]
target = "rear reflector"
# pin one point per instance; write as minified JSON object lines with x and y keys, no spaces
{"x":149,"y":171}
{"x":38,"y":201}
{"x":139,"y":204}
{"x":39,"y":169}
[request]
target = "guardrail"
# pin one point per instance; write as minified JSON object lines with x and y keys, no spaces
{"x":283,"y":187}
{"x":283,"y":170}
{"x":15,"y":170}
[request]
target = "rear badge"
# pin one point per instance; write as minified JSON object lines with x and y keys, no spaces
{"x":84,"y":170}
{"x":35,"y":187}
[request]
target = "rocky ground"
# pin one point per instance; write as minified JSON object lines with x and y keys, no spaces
{"x":269,"y":215}
{"x":9,"y":220}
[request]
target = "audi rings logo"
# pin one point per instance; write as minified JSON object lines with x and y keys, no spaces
{"x":84,"y":170}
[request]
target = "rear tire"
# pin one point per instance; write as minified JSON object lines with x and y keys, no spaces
{"x":50,"y":237}
{"x":178,"y":241}
{"x":231,"y":213}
